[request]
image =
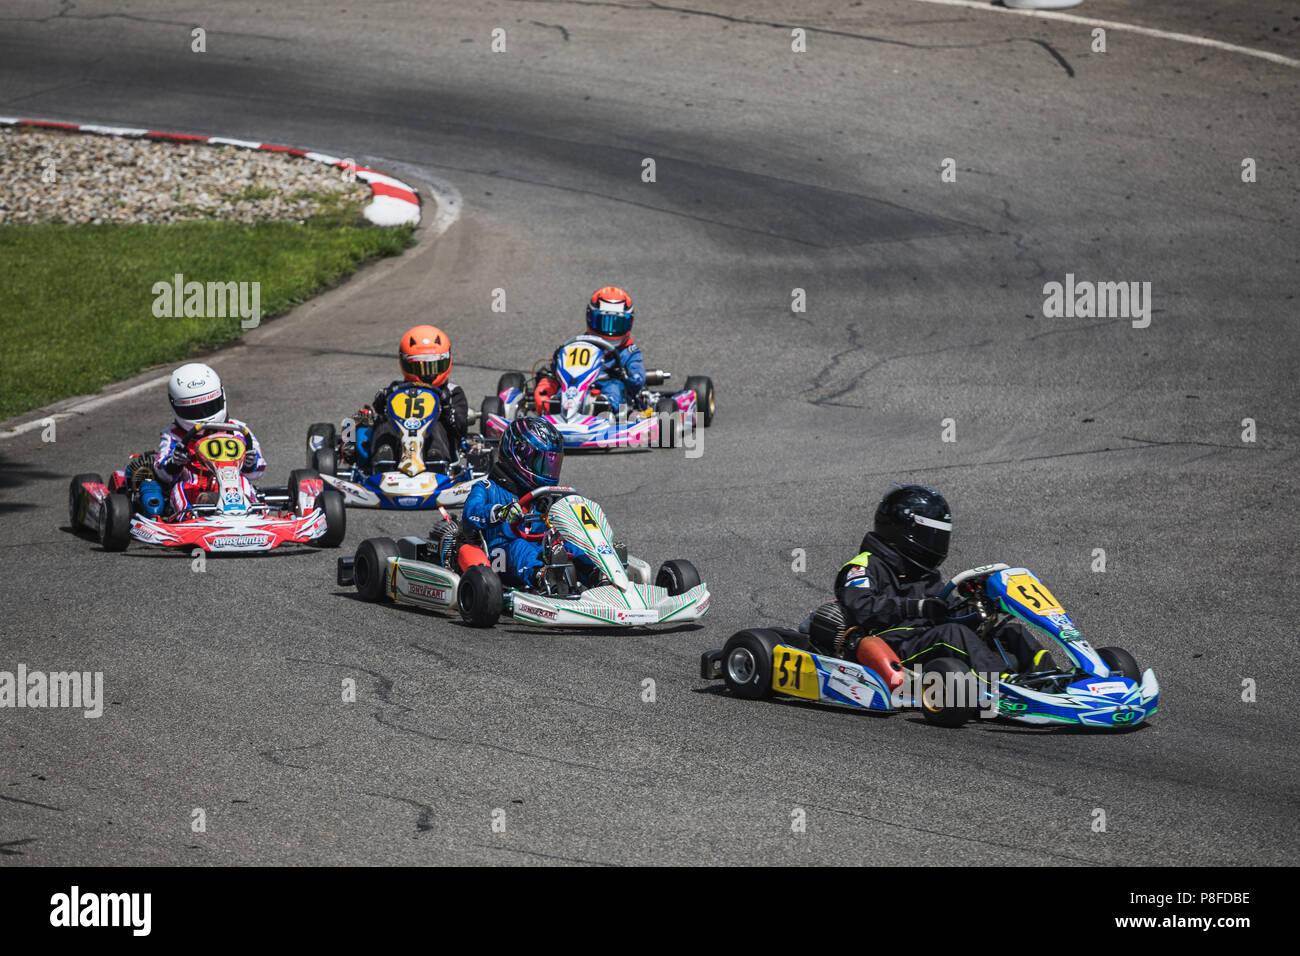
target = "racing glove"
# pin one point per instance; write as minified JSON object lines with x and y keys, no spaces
{"x":931,"y":609}
{"x":250,"y":460}
{"x":505,"y":514}
{"x":177,"y":460}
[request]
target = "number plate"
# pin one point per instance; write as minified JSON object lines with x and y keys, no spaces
{"x":794,"y":673}
{"x":1028,"y":592}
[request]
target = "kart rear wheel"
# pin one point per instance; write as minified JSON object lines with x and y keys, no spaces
{"x":370,"y":568}
{"x":705,"y":403}
{"x":747,"y":664}
{"x":510,"y":380}
{"x":941,"y":701}
{"x":677,"y":576}
{"x":115,"y":524}
{"x":336,"y":518}
{"x":669,"y":422}
{"x":326,"y":461}
{"x":1118,"y":659}
{"x":492,"y":405}
{"x":325,"y":432}
{"x":76,"y":499}
{"x":479,"y":596}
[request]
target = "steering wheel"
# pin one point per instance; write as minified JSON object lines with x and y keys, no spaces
{"x":547,"y":494}
{"x":969,"y":587}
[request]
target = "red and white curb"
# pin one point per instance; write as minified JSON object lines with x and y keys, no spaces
{"x":393,"y":202}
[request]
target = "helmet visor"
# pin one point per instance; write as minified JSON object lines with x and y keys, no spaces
{"x":426,"y":367}
{"x":541,"y":465}
{"x":610,"y":323}
{"x":930,"y":538}
{"x":200,"y":407}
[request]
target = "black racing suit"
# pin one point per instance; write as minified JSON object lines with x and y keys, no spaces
{"x":877,"y":596}
{"x":442,"y":438}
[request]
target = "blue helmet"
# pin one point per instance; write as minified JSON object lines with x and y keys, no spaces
{"x":531,"y":453}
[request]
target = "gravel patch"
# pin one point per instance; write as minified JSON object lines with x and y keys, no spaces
{"x":55,"y":177}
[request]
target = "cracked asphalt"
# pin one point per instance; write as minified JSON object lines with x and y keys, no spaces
{"x":775,"y":171}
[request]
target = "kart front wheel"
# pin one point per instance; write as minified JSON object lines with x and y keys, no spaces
{"x":705,"y":403}
{"x":115,"y":523}
{"x":948,"y":692}
{"x":677,"y":577}
{"x":370,"y":568}
{"x":326,"y":461}
{"x":479,"y":596}
{"x":1118,"y":659}
{"x":336,"y":518}
{"x":510,"y":380}
{"x":76,"y":498}
{"x":325,"y":432}
{"x":747,"y":664}
{"x":669,"y":422}
{"x":492,"y":405}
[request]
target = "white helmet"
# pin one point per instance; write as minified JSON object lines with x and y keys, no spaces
{"x":196,"y":395}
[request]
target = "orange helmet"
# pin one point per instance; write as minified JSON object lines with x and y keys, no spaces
{"x":425,"y":354}
{"x":609,"y":313}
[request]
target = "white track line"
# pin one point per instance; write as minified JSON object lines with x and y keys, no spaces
{"x":1122,"y":27}
{"x":86,"y":406}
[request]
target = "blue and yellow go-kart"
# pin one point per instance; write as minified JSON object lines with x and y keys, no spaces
{"x":415,"y":483}
{"x":1101,"y":688}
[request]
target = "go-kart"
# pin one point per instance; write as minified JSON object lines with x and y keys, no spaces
{"x":414,"y":483}
{"x":229,"y":514}
{"x":563,"y":391}
{"x":1102,"y":687}
{"x":451,"y":568}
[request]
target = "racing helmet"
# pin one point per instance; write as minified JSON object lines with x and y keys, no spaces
{"x":531,"y":452}
{"x":609,"y":313}
{"x":196,"y":395}
{"x":915,"y":521}
{"x":425,"y":354}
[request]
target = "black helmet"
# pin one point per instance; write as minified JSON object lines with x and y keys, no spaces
{"x":914,"y":520}
{"x":531,"y":453}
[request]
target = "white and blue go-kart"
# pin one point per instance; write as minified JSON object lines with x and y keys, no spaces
{"x":452,"y":570}
{"x":564,"y":392}
{"x":1101,"y":688}
{"x":414,"y":484}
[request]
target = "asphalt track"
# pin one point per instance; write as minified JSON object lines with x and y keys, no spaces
{"x":775,"y":170}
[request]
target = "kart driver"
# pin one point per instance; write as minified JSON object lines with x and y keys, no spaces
{"x":372,"y":438}
{"x":197,"y":398}
{"x":609,"y":315}
{"x":891,"y":589}
{"x":529,"y":457}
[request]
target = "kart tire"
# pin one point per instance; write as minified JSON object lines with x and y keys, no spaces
{"x":705,"y":403}
{"x":330,"y":501}
{"x":115,"y":525}
{"x":295,"y":477}
{"x":324,"y":431}
{"x":325,"y":461}
{"x":479,"y":596}
{"x":510,"y":380}
{"x":75,"y":499}
{"x":934,"y":707}
{"x":666,"y":412}
{"x":492,"y":405}
{"x":1118,"y":659}
{"x":370,"y":568}
{"x":747,"y":664}
{"x":677,"y":576}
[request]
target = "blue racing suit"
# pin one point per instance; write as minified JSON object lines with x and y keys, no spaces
{"x":523,"y":558}
{"x":629,"y":359}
